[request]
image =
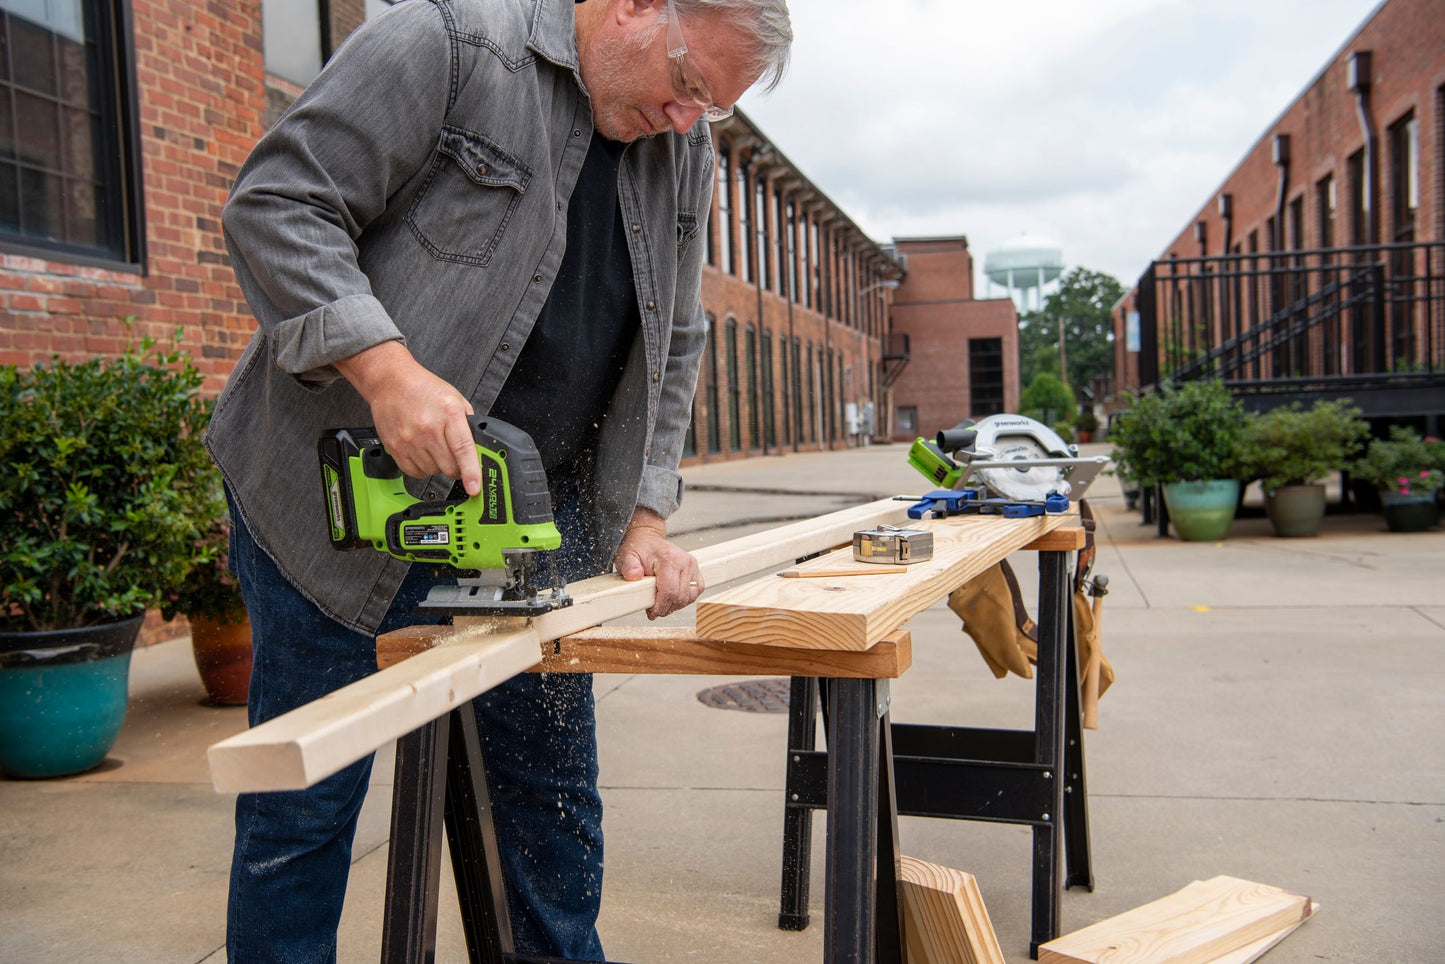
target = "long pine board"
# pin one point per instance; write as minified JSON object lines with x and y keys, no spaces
{"x":854,"y":613}
{"x":1198,"y":924}
{"x":300,"y":748}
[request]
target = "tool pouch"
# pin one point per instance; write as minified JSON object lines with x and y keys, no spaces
{"x":995,"y":617}
{"x":993,"y":613}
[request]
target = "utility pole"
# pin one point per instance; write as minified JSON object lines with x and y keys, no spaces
{"x":1063,"y":365}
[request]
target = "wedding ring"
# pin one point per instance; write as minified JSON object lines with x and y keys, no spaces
{"x":693,"y":584}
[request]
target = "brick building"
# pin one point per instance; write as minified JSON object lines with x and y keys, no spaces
{"x":965,"y":352}
{"x":131,"y":119}
{"x":1317,"y":267}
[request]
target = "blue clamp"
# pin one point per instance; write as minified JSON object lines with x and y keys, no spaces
{"x":946,"y":502}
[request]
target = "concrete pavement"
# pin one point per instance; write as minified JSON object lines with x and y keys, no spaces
{"x":1278,"y":716}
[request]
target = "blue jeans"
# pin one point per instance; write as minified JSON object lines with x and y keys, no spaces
{"x":293,"y":849}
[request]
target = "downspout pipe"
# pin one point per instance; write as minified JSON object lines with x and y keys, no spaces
{"x":1359,"y":78}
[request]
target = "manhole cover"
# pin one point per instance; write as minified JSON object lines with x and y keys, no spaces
{"x":752,"y":695}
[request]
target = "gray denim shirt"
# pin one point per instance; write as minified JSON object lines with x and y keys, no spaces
{"x":418,"y":190}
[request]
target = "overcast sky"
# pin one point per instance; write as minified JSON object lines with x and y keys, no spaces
{"x":1100,"y":124}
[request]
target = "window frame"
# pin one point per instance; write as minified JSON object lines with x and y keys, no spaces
{"x":115,"y":97}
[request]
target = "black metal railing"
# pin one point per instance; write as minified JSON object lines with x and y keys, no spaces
{"x":1273,"y":321}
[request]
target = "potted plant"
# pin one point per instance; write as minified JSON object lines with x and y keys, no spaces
{"x":1182,"y":438}
{"x":1086,"y":423}
{"x":1290,"y":450}
{"x":1402,"y":467}
{"x":102,"y":480}
{"x":210,"y":599}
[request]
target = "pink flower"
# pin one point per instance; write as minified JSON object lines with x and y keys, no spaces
{"x":1424,"y":473}
{"x":1403,"y":481}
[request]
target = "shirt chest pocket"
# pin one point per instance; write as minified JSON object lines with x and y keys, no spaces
{"x":471,"y":190}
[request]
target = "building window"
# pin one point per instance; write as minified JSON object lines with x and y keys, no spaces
{"x":745,"y":224}
{"x":1359,"y":198}
{"x":907,"y":419}
{"x":714,"y":414}
{"x":770,"y":430}
{"x":1404,"y":176}
{"x":985,"y":377}
{"x":1325,"y":203}
{"x":724,"y":212}
{"x":760,"y":230}
{"x":750,"y":363}
{"x":730,"y":358}
{"x":296,"y":35}
{"x":69,"y":147}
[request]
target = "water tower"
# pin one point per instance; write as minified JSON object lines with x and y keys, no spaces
{"x":1024,"y":264}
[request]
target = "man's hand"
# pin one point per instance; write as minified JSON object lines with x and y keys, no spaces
{"x":421,"y":419}
{"x":645,"y":551}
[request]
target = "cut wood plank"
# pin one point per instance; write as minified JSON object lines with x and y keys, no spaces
{"x":853,"y":614}
{"x":1254,"y":951}
{"x":1195,"y":925}
{"x":674,"y":650}
{"x":661,"y":650}
{"x":310,"y":743}
{"x":314,"y":741}
{"x":944,"y":919}
{"x":1063,"y":539}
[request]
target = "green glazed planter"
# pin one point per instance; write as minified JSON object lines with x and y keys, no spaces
{"x":1296,"y":510}
{"x":63,"y":697}
{"x":1409,"y":513}
{"x":1202,"y":511}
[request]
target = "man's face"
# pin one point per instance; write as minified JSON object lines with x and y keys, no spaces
{"x":629,"y":76}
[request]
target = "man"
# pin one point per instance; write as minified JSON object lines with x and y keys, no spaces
{"x":479,"y":206}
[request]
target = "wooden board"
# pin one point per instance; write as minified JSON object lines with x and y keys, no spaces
{"x":856,"y":612}
{"x":1252,"y":952}
{"x":676,"y":651}
{"x":314,"y":741}
{"x":1199,"y":924}
{"x":664,"y":650}
{"x":944,"y":919}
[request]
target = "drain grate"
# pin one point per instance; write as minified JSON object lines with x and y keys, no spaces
{"x":751,"y":696}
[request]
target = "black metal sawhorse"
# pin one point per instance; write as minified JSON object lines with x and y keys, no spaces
{"x":1032,"y":777}
{"x":440,"y":783}
{"x":439,"y":773}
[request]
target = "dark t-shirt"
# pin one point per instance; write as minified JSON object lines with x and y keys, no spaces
{"x":559,"y":388}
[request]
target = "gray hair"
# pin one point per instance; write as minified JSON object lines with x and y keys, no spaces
{"x":767,"y":24}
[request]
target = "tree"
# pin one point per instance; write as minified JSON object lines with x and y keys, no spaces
{"x":1047,"y":399}
{"x":1082,"y":304}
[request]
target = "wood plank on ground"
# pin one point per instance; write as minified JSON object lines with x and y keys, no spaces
{"x":856,"y":612}
{"x":944,"y":918}
{"x":312,"y":742}
{"x":1199,"y":924}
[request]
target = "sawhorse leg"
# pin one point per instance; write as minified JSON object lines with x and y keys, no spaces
{"x":439,"y":772}
{"x":861,"y":887}
{"x":441,"y":781}
{"x":1049,"y":708}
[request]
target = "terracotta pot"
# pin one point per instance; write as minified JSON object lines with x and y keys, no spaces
{"x":223,"y":657}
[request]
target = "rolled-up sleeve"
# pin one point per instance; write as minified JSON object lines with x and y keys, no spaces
{"x":321,"y":175}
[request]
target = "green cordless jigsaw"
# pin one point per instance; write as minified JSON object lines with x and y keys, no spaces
{"x":501,"y":541}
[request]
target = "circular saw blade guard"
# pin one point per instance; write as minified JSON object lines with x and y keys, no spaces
{"x":1040,"y":461}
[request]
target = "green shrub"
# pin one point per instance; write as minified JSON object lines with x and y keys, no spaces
{"x":1179,"y":433}
{"x":1298,"y":446}
{"x":105,"y":486}
{"x":1403,"y":463}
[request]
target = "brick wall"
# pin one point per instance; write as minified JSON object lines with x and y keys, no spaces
{"x":936,"y":309}
{"x":1406,"y":40}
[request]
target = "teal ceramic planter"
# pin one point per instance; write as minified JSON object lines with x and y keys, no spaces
{"x":63,"y":697}
{"x":1202,"y":511}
